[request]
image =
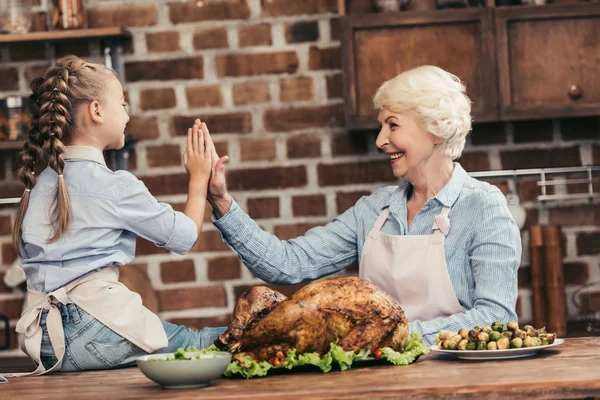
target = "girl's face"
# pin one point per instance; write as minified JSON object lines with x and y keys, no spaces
{"x":115,"y":115}
{"x":409,"y":146}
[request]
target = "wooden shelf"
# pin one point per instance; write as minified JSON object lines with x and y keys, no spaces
{"x":11,"y":144}
{"x":72,"y":34}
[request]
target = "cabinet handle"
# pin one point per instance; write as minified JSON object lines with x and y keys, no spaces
{"x":575,"y":92}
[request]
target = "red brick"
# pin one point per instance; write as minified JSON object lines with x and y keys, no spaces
{"x":5,"y":225}
{"x":582,"y":215}
{"x":252,"y":92}
{"x":222,"y":148}
{"x":255,"y":35}
{"x":27,"y":51}
{"x":157,"y":42}
{"x":256,"y":64}
{"x":165,"y":185}
{"x":208,"y":11}
{"x":142,"y":128}
{"x":177,"y":271}
{"x":79,"y":47}
{"x":257,"y":149}
{"x":576,"y":273}
{"x":596,"y":154}
{"x":156,"y":99}
{"x":278,"y":178}
{"x":350,"y":143}
{"x":164,"y":70}
{"x":529,"y":190}
{"x":145,"y":247}
{"x":349,"y":173}
{"x":488,"y":133}
{"x":288,"y":119}
{"x":223,"y":268}
{"x":209,"y":241}
{"x":33,"y":71}
{"x":276,"y":8}
{"x":472,"y":162}
{"x":14,"y":341}
{"x":590,"y":301}
{"x":214,"y":38}
{"x":329,"y":58}
{"x":541,"y":158}
{"x":123,"y":15}
{"x":345,"y":200}
{"x":10,"y":79}
{"x":580,"y":128}
{"x":304,"y":146}
{"x":335,"y":86}
{"x":204,"y":96}
{"x":202,"y":322}
{"x":531,"y":217}
{"x":166,"y":155}
{"x":303,"y":31}
{"x":291,"y":231}
{"x":12,"y":188}
{"x":9,"y":255}
{"x":197,"y":297}
{"x":309,"y":205}
{"x":240,"y":122}
{"x":588,"y":243}
{"x":11,"y":308}
{"x":263,"y":207}
{"x":296,"y":89}
{"x":334,"y":27}
{"x":3,"y":287}
{"x":532,"y":131}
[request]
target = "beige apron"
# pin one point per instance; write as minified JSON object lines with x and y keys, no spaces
{"x":101,"y":295}
{"x":412,"y":269}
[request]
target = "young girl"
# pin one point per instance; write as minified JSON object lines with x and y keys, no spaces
{"x":78,"y":222}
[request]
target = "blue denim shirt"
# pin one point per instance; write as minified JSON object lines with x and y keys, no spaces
{"x":108,"y":210}
{"x":483,"y":247}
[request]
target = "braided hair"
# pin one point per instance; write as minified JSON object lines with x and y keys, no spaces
{"x":56,"y":98}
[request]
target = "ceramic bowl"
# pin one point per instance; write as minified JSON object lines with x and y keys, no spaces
{"x":170,"y":373}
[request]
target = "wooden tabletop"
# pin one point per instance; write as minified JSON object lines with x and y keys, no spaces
{"x":571,"y":370}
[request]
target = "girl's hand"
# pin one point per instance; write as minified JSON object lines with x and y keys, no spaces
{"x":197,"y":157}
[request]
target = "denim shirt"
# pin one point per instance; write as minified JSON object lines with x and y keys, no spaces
{"x":108,"y":210}
{"x":483,"y":246}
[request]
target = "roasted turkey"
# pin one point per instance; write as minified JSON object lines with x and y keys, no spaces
{"x":349,"y":310}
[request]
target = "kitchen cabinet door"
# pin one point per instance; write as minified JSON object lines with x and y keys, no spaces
{"x":377,"y":47}
{"x":549,"y":60}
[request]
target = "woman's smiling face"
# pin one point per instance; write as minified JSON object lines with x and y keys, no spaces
{"x":404,"y":140}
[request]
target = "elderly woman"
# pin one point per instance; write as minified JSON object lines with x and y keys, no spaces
{"x":441,"y":243}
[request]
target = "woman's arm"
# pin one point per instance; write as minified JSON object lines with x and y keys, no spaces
{"x":494,"y":256}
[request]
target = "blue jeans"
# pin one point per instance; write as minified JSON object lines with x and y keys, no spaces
{"x":89,"y":344}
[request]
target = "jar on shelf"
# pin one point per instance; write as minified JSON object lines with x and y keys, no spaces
{"x":67,"y":14}
{"x":15,"y":16}
{"x":14,"y":118}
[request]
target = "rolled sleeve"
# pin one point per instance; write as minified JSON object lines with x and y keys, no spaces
{"x":184,"y":236}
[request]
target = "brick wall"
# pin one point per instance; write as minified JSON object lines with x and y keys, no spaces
{"x":266,"y":77}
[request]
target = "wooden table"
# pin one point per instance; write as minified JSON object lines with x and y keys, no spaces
{"x":571,"y":370}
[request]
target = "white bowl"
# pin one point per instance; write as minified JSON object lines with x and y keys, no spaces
{"x":169,"y":373}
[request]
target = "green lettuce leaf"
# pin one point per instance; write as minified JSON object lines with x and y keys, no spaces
{"x":413,"y":349}
{"x":250,"y":369}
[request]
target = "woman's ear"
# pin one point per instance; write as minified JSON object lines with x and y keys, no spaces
{"x":95,"y":112}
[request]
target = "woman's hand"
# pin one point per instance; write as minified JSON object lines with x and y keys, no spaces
{"x":197,"y":157}
{"x":218,"y":197}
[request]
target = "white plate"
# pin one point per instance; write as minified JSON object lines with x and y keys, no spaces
{"x":496,"y":354}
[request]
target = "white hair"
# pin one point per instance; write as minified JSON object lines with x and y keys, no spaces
{"x":436,"y":97}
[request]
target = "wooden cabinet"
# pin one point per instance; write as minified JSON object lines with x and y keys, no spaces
{"x":519,"y":62}
{"x":379,"y":46}
{"x":549,"y":61}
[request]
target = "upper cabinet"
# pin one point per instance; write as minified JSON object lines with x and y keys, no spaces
{"x":549,"y":61}
{"x":517,"y":62}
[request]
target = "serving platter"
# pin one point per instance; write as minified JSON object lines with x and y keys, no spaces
{"x":496,"y":354}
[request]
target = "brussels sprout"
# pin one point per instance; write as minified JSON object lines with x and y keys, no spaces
{"x":520,"y":334}
{"x":464,"y":333}
{"x":531,"y":332}
{"x":528,"y":328}
{"x":498,"y":326}
{"x":544,"y":341}
{"x":486,"y":329}
{"x":495,"y":335}
{"x":473,"y":333}
{"x":477,"y":328}
{"x":503,"y":343}
{"x":529,"y":341}
{"x":512,"y":325}
{"x":492,"y":346}
{"x":551,"y":337}
{"x":472,"y":346}
{"x":516,"y":343}
{"x":482,"y":345}
{"x":483,"y":337}
{"x":463,"y":344}
{"x":508,"y":334}
{"x":451,"y":344}
{"x":446,"y":334}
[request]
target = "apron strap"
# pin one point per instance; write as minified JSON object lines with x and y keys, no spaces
{"x":441,"y":223}
{"x":381,"y":219}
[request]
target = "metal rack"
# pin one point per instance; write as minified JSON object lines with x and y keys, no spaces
{"x":544,"y":183}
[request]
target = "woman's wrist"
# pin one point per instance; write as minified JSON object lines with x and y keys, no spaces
{"x":220,"y":204}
